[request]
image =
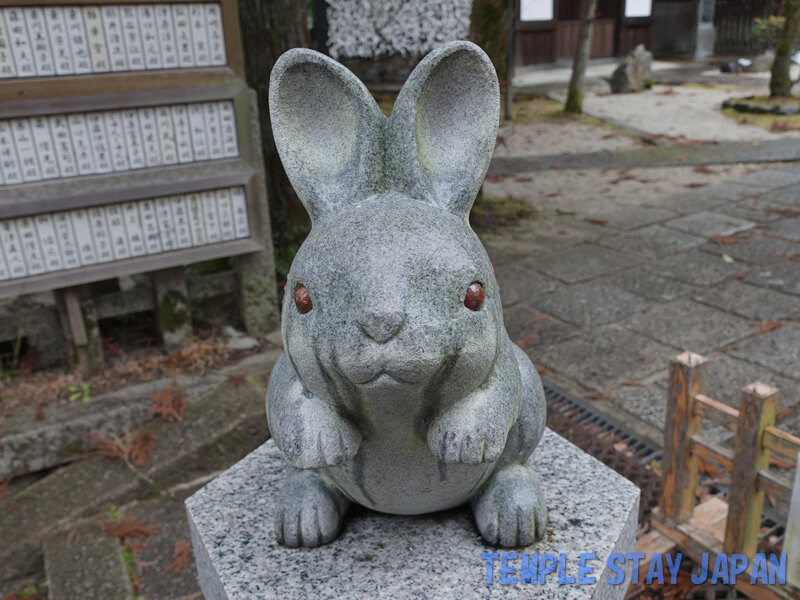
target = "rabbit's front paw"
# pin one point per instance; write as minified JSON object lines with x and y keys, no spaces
{"x":459,"y":436}
{"x":321,"y":439}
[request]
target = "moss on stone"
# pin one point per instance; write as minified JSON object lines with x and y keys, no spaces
{"x":173,"y":310}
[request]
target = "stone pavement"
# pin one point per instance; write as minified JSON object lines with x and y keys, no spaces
{"x":603,"y":294}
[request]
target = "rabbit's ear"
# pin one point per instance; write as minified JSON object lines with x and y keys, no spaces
{"x":443,"y":127}
{"x":328,"y":131}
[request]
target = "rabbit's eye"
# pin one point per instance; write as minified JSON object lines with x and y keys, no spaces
{"x":302,"y":300}
{"x":475,"y":296}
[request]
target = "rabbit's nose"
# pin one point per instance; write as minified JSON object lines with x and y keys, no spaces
{"x":381,"y":327}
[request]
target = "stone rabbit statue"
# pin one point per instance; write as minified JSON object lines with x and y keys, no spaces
{"x":399,"y":388}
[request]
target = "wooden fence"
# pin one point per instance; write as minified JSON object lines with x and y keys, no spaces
{"x":716,"y":526}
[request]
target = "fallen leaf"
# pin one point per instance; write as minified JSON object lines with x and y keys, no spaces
{"x":237,"y":380}
{"x":786,"y":212}
{"x":704,"y":169}
{"x":168,"y":404}
{"x":780,"y":126}
{"x":141,"y":445}
{"x":554,"y":194}
{"x":694,"y":185}
{"x":740,"y":276}
{"x":495,"y":177}
{"x":526,"y":342}
{"x":596,"y":395}
{"x":602,"y":222}
{"x":765,"y":326}
{"x":780,"y":462}
{"x":724,"y":239}
{"x":633,"y":383}
{"x":74,"y":534}
{"x":180,"y":556}
{"x":727,"y":258}
{"x":134,"y":447}
{"x":128,"y":526}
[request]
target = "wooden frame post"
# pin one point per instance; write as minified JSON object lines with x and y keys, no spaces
{"x":686,"y":373}
{"x":83,"y":329}
{"x":745,"y":500}
{"x":173,"y":310}
{"x":791,"y":542}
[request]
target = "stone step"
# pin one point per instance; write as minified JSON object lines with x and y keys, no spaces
{"x":83,"y":562}
{"x":28,"y":445}
{"x":216,"y":431}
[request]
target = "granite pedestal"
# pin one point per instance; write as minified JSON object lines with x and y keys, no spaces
{"x":591,"y":509}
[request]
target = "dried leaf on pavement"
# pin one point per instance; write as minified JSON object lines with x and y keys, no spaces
{"x":180,"y":556}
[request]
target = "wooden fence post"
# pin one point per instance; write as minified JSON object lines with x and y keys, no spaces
{"x":686,"y":373}
{"x":745,"y":500}
{"x":791,"y":543}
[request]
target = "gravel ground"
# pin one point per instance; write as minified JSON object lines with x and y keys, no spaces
{"x":688,"y":111}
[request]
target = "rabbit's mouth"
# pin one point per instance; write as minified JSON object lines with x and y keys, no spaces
{"x":381,"y":376}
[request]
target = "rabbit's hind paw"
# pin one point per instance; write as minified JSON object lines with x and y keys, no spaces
{"x":510,"y":508}
{"x":309,"y":511}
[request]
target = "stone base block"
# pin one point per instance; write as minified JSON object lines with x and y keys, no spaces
{"x":591,"y":509}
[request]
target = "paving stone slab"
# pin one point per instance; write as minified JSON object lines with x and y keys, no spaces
{"x":505,"y":251}
{"x":788,"y":196}
{"x":205,"y":441}
{"x":642,"y":282}
{"x":695,"y":267}
{"x":760,"y":210}
{"x":519,"y":282}
{"x":688,"y":325}
{"x":705,"y":198}
{"x":726,"y":375}
{"x":757,"y":250}
{"x":634,"y":217}
{"x":605,"y":357}
{"x":784,"y":276}
{"x":583,"y":263}
{"x":750,"y":301}
{"x":655,"y":240}
{"x":769,"y":178}
{"x":28,"y":445}
{"x":649,"y":403}
{"x":593,"y":303}
{"x":556,"y":232}
{"x":778,"y":350}
{"x":788,"y":229}
{"x":530,"y":328}
{"x":83,"y":562}
{"x":707,"y":223}
{"x":156,"y":583}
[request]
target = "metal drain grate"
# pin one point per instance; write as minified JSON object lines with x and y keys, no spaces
{"x":583,"y":414}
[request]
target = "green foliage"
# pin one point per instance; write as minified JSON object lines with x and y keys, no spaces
{"x":29,"y":591}
{"x":115,"y":512}
{"x":81,"y":391}
{"x":765,"y":33}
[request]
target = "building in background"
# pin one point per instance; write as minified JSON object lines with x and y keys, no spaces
{"x":382,"y":41}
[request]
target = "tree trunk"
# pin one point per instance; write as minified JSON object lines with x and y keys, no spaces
{"x":575,"y":94}
{"x":268,"y":30}
{"x":780,"y":83}
{"x":488,"y":27}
